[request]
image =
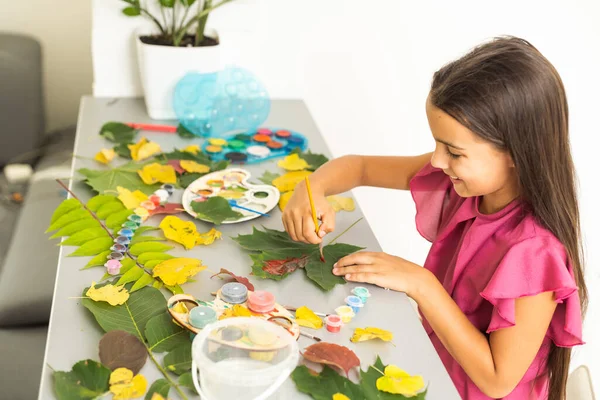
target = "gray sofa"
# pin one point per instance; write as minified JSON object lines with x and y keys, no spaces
{"x":28,"y":260}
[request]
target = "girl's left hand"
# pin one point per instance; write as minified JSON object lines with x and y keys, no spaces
{"x":383,"y":270}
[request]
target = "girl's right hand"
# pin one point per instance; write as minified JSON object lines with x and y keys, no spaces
{"x":297,"y":216}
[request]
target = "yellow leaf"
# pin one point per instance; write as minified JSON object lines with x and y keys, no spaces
{"x":176,"y":271}
{"x":361,"y":335}
{"x":209,"y":237}
{"x":237,"y":310}
{"x":180,"y":231}
{"x":131,"y":199}
{"x":180,"y":307}
{"x":287,"y":182}
{"x":307,"y":318}
{"x":397,"y":381}
{"x":340,"y":396}
{"x":113,"y":295}
{"x":105,"y":156}
{"x":126,"y":386}
{"x":284,"y":199}
{"x":193,"y":166}
{"x":192,"y":148}
{"x":155,"y":172}
{"x":143,"y":149}
{"x":230,"y":194}
{"x":340,"y":203}
{"x":293,"y":162}
{"x":156,"y":396}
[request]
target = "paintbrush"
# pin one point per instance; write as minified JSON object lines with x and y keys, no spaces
{"x":316,"y":313}
{"x":314,"y":216}
{"x":308,"y":335}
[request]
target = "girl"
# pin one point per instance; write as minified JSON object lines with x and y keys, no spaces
{"x":502,"y":289}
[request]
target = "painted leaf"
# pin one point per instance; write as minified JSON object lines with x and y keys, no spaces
{"x":139,"y":239}
{"x":98,"y":261}
{"x":93,"y":247}
{"x":243,"y":280}
{"x":324,"y":385}
{"x":163,"y":335}
{"x":63,"y":208}
{"x":76,"y":226}
{"x":176,"y":166}
{"x":132,"y":316}
{"x":292,"y":163}
{"x":209,"y":237}
{"x":131,"y":199}
{"x":268,"y":177}
{"x":66,"y":219}
{"x":177,"y":230}
{"x":179,"y":360}
{"x":143,"y":149}
{"x":97,"y":201}
{"x":339,"y":203}
{"x":145,"y":247}
{"x":84,"y":236}
{"x":288,"y":181}
{"x":215,"y":209}
{"x":105,"y":156}
{"x":368,"y":382}
{"x":160,"y":387}
{"x":314,"y":160}
{"x":133,"y":274}
{"x":87,"y":379}
{"x":144,"y":281}
{"x":169,"y":208}
{"x":332,"y":354}
{"x":285,"y":266}
{"x":154,"y":173}
{"x":177,"y":270}
{"x":108,"y":209}
{"x":307,"y":318}
{"x":193,"y":166}
{"x":192,"y":148}
{"x":398,"y":381}
{"x":125,"y":386}
{"x":369,"y":333}
{"x":117,"y":132}
{"x":152,"y":255}
{"x":186,"y":381}
{"x":113,"y":295}
{"x":120,"y":349}
{"x":114,"y":221}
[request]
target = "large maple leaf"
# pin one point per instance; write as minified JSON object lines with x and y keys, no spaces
{"x":277,"y":256}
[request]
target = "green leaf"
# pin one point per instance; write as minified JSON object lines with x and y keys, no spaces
{"x":97,"y":201}
{"x":188,"y":3}
{"x":268,"y":177}
{"x":179,"y":360}
{"x":144,"y":247}
{"x":186,"y":180}
{"x":184,"y":132}
{"x":117,"y":132}
{"x":109,"y":208}
{"x":140,"y":239}
{"x":108,"y":180}
{"x":313,"y":160}
{"x":160,"y":386}
{"x":152,"y":255}
{"x":324,"y":385}
{"x":215,"y":209}
{"x":64,"y":207}
{"x":98,"y":261}
{"x":90,"y":173}
{"x":320,"y":272}
{"x":84,"y":236}
{"x":167,"y":3}
{"x":174,"y":289}
{"x":131,"y":316}
{"x":114,"y":221}
{"x":123,"y":150}
{"x":163,"y":335}
{"x":132,"y":275}
{"x":66,"y":219}
{"x":93,"y":247}
{"x":87,"y":379}
{"x":368,"y":383}
{"x":186,"y":380}
{"x":200,"y":158}
{"x":131,"y":11}
{"x":126,"y":265}
{"x":144,"y":281}
{"x":152,"y":263}
{"x":76,"y":226}
{"x":143,"y":229}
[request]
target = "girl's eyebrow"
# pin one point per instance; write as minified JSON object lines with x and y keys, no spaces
{"x":448,"y":144}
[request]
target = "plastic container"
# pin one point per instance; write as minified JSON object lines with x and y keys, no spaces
{"x":355,"y":303}
{"x":241,"y":369}
{"x":201,"y":316}
{"x":345,"y":313}
{"x":261,"y":301}
{"x":234,"y":293}
{"x":362,"y":293}
{"x":333,"y":323}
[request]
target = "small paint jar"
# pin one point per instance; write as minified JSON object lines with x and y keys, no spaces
{"x":237,"y":145}
{"x":231,"y":333}
{"x":294,"y":141}
{"x":283,"y":134}
{"x":130,"y":225}
{"x":115,"y":256}
{"x":333,"y":323}
{"x":142,"y":213}
{"x":135,"y":218}
{"x":242,"y":137}
{"x":148,"y":205}
{"x":258,"y":151}
{"x":113,"y":267}
{"x":345,"y":313}
{"x":261,"y":337}
{"x":213,"y":149}
{"x":155,"y":199}
{"x":124,"y":240}
{"x":169,"y":188}
{"x":126,"y":232}
{"x":201,"y":316}
{"x":362,"y":293}
{"x":264,"y":131}
{"x":163,"y":196}
{"x":355,"y":303}
{"x":261,"y":301}
{"x":119,"y":248}
{"x":234,"y":293}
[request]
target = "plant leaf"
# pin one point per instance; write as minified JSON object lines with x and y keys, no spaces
{"x":144,"y":247}
{"x":132,"y":275}
{"x":120,"y":349}
{"x":243,"y":280}
{"x":143,"y":229}
{"x":122,"y":149}
{"x":114,"y":221}
{"x":87,"y":379}
{"x":105,"y":156}
{"x":174,"y":289}
{"x":131,"y":199}
{"x":98,"y":261}
{"x":109,"y":180}
{"x":368,"y":383}
{"x":288,"y":181}
{"x":84,"y":236}
{"x":63,"y":208}
{"x":155,"y":172}
{"x":186,"y":380}
{"x":177,"y":270}
{"x":76,"y":226}
{"x":182,"y":131}
{"x":398,"y":381}
{"x":216,"y":210}
{"x":140,"y":239}
{"x":131,"y":11}
{"x":160,"y":386}
{"x":324,"y":385}
{"x":307,"y":318}
{"x":118,"y":132}
{"x":179,"y":360}
{"x":182,"y":232}
{"x":145,"y":257}
{"x":169,"y":208}
{"x":109,"y":208}
{"x":268,"y":177}
{"x":292,"y":163}
{"x":163,"y":335}
{"x":314,"y":160}
{"x":97,"y":201}
{"x":167,"y":3}
{"x":368,"y":333}
{"x":113,"y":295}
{"x":66,"y":219}
{"x":144,"y":280}
{"x":194,"y":167}
{"x":93,"y":247}
{"x":133,"y":315}
{"x":332,"y":354}
{"x":176,"y":164}
{"x":125,"y":386}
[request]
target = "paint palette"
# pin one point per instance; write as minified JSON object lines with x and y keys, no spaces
{"x":232,"y":184}
{"x":254,"y":146}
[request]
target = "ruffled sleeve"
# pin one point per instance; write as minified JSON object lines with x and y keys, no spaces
{"x":431,"y":190}
{"x":532,"y":266}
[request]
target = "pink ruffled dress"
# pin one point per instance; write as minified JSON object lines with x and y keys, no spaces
{"x":485,"y":262}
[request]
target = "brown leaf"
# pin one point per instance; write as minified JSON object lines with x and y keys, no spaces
{"x":243,"y":280}
{"x":169,"y":208}
{"x":332,"y":354}
{"x":119,"y":349}
{"x":286,"y":266}
{"x":176,"y":166}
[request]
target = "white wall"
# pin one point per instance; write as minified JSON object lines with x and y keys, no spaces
{"x":364,"y":67}
{"x":63,"y":28}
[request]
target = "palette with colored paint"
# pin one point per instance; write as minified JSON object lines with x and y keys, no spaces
{"x":253,"y":147}
{"x":250,"y":200}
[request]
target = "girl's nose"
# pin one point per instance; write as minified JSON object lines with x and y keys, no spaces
{"x":439,"y":159}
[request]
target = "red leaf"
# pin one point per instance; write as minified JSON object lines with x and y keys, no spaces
{"x":243,"y":280}
{"x":176,"y":166}
{"x":286,"y":266}
{"x":169,"y":208}
{"x":332,"y":354}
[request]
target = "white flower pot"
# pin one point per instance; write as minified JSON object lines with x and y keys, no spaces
{"x":161,"y":67}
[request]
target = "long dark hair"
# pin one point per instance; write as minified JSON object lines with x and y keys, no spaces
{"x":508,"y":93}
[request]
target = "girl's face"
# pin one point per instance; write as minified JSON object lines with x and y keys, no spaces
{"x":473,"y":165}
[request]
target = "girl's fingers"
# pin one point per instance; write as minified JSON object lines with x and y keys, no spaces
{"x":308,"y":230}
{"x":353,"y":269}
{"x":362,"y":257}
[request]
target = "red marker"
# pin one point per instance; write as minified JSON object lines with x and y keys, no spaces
{"x":153,"y":127}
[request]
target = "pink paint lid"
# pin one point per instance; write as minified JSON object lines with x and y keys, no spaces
{"x":333,"y":320}
{"x":261,"y":301}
